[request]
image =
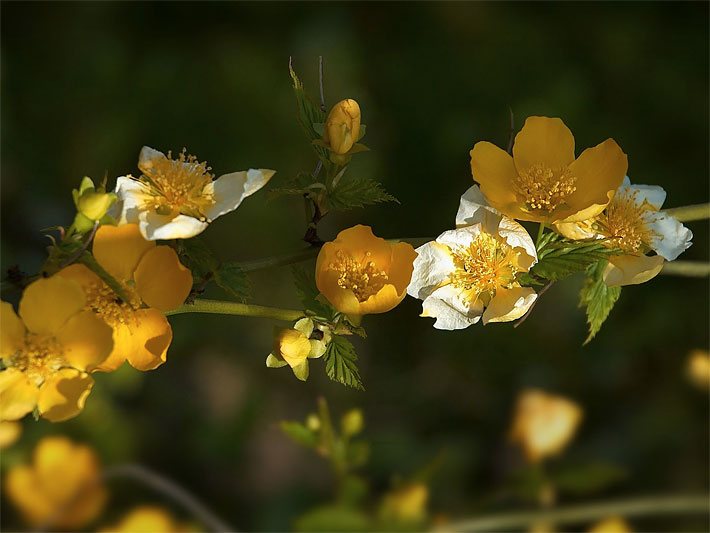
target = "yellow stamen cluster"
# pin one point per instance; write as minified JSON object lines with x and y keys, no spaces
{"x":482,"y":267}
{"x":543,"y":188}
{"x":361,"y":277}
{"x":177,"y":185}
{"x":39,"y":357}
{"x":625,"y":223}
{"x":102,"y":300}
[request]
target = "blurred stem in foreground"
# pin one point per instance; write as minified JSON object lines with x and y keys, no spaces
{"x":234,"y":308}
{"x":689,"y":213}
{"x":652,"y":506}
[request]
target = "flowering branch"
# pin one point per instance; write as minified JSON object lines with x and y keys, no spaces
{"x":219,"y":307}
{"x":658,"y":505}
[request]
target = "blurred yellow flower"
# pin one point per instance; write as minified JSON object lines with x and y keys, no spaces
{"x":471,"y":272}
{"x":178,"y":198}
{"x":699,"y":368}
{"x":154,"y":281}
{"x":148,"y":519}
{"x":407,"y":503}
{"x":293,"y":347}
{"x":544,"y":424}
{"x":342,"y":127}
{"x":360,"y":274}
{"x":10,"y":431}
{"x":543,"y":181}
{"x":62,"y":488}
{"x":613,"y":524}
{"x":48,"y":350}
{"x":634,"y":223}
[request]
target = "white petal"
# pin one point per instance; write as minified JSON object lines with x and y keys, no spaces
{"x":431,"y":269}
{"x":474,"y":209}
{"x":509,"y":304}
{"x":517,"y":237}
{"x":132,"y":196}
{"x":147,"y":156}
{"x":230,"y":189}
{"x":463,"y":236}
{"x":450,"y":311}
{"x":162,"y":227}
{"x":653,"y":194}
{"x":670,"y":237}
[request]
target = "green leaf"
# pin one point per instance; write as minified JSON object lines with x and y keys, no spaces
{"x":329,"y":518}
{"x":197,"y":256}
{"x":309,"y":295}
{"x":309,"y":114}
{"x":299,"y":433}
{"x":340,"y":359}
{"x":583,"y":479}
{"x":233,"y":280}
{"x":559,"y":258}
{"x":358,"y":192}
{"x":597,"y":297}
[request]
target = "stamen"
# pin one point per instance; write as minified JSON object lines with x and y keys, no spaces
{"x":39,"y":358}
{"x":101,"y":299}
{"x":625,"y":223}
{"x":543,"y":188}
{"x":362,"y":277}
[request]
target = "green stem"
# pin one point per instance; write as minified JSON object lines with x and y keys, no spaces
{"x":233,"y":308}
{"x":281,"y":260}
{"x":517,"y":521}
{"x":689,"y":213}
{"x":540,"y":231}
{"x":691,"y":269}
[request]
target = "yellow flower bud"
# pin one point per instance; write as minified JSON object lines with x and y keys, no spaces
{"x":342,"y":127}
{"x":94,"y":205}
{"x":352,"y":422}
{"x":293,"y":346}
{"x":699,"y":368}
{"x":406,"y":504}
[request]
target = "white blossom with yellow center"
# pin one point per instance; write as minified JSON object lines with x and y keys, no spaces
{"x":177,"y":197}
{"x":634,"y":223}
{"x":470,"y":273}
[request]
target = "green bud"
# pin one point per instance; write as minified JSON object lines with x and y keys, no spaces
{"x":352,"y":422}
{"x":94,"y":205}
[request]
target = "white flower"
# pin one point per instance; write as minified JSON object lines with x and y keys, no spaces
{"x":471,"y":272}
{"x":178,"y":198}
{"x":634,"y":223}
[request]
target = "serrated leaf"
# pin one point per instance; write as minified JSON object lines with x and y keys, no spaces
{"x":340,"y":363}
{"x":233,"y":280}
{"x":299,"y":433}
{"x":197,"y":256}
{"x":358,"y":192}
{"x":559,"y":257}
{"x":597,"y":297}
{"x":308,"y":293}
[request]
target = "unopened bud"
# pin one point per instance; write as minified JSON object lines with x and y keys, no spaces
{"x":342,"y":127}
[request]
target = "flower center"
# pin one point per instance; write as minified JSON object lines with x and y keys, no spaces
{"x":625,"y":222}
{"x":39,"y":358}
{"x":177,"y":186}
{"x":543,"y":188}
{"x":483,"y":266}
{"x":361,"y":277}
{"x":102,"y":300}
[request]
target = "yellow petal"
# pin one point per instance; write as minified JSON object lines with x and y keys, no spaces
{"x":494,"y":171}
{"x":62,"y":396}
{"x":293,"y":346}
{"x":145,"y":519}
{"x":23,"y":490}
{"x":161,"y":280}
{"x":543,"y":140}
{"x":48,"y":303}
{"x":509,"y":304}
{"x":343,"y":300}
{"x":384,"y":300}
{"x":599,"y":172}
{"x":360,"y":240}
{"x":12,"y":331}
{"x":18,"y":395}
{"x":632,"y":269}
{"x":122,"y":344}
{"x":10,"y":431}
{"x":150,"y":340}
{"x":612,"y":524}
{"x":87,"y":340}
{"x":81,"y":274}
{"x":402,"y":266}
{"x":118,"y":249}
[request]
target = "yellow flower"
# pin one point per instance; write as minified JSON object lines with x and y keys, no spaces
{"x":178,"y":198}
{"x":48,"y":350}
{"x":613,"y":524}
{"x":148,"y":519}
{"x":62,"y":487}
{"x":406,"y":504}
{"x":10,"y":431}
{"x":699,"y":368}
{"x":294,"y":347}
{"x":544,"y":424}
{"x":471,"y":272}
{"x":360,"y":274}
{"x":543,"y":181}
{"x":153,"y":280}
{"x":342,"y":127}
{"x":634,"y":223}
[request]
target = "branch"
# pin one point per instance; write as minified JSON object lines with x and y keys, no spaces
{"x":219,"y":307}
{"x":517,"y":521}
{"x":691,"y":269}
{"x":689,"y":213}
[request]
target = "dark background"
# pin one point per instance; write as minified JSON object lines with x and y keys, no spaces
{"x":84,"y":86}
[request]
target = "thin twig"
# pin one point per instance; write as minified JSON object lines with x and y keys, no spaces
{"x":527,"y":313}
{"x":172,"y":490}
{"x":84,"y":247}
{"x":509,"y":149}
{"x":320,"y":80}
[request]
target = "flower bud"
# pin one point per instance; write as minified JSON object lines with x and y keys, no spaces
{"x":342,"y":127}
{"x":352,"y":422}
{"x":94,"y":205}
{"x":293,"y":346}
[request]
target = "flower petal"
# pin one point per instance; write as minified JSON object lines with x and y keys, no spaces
{"x":81,"y":274}
{"x":22,"y":488}
{"x":509,"y":304}
{"x":632,"y":269}
{"x":150,"y":340}
{"x":118,"y":249}
{"x":147,"y":157}
{"x":386,"y":299}
{"x":161,"y":279}
{"x":132,"y":197}
{"x":652,"y":194}
{"x":599,"y":172}
{"x":459,"y":237}
{"x":48,"y":303}
{"x":62,"y":395}
{"x":577,"y":230}
{"x":18,"y":395}
{"x":494,"y":170}
{"x":543,"y":140}
{"x":12,"y":332}
{"x":301,"y":371}
{"x":164,"y":227}
{"x":445,"y":304}
{"x":122,"y":344}
{"x":402,"y":265}
{"x":344,"y":300}
{"x":474,"y":209}
{"x":87,"y":340}
{"x":432,"y":267}
{"x":670,"y":237}
{"x":518,"y":237}
{"x":230,"y":189}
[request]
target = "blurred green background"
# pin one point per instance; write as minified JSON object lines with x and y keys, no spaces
{"x":85,"y":85}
